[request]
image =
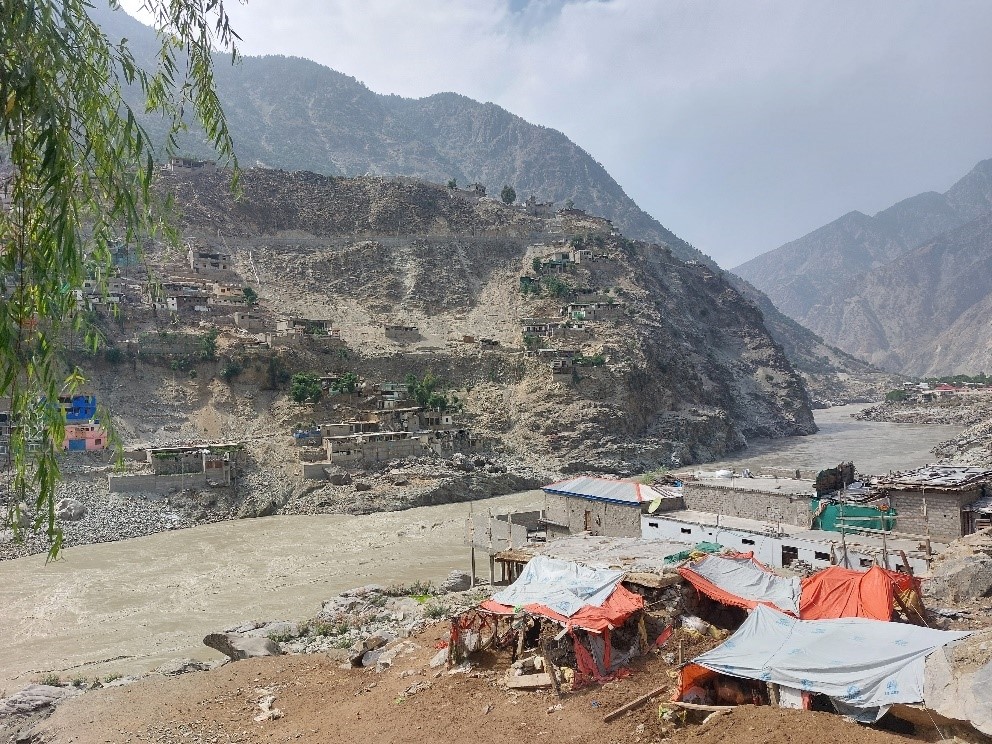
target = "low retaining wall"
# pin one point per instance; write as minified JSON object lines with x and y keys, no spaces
{"x":156,"y":484}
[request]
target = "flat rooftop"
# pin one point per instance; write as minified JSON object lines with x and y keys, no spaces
{"x":937,"y":476}
{"x":712,"y":519}
{"x":630,"y":554}
{"x":785,"y":486}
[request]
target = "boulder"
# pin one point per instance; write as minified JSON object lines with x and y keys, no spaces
{"x":35,"y":697}
{"x":69,"y":510}
{"x":236,"y":646}
{"x":363,"y":487}
{"x":182,"y":666}
{"x":961,"y":579}
{"x":339,"y":479}
{"x":457,"y":581}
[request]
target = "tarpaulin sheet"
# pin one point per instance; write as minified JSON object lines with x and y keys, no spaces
{"x":742,"y":581}
{"x":864,"y":665}
{"x":563,"y":586}
{"x":619,"y":606}
{"x":843,"y":592}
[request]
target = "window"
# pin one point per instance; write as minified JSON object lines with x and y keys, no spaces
{"x":746,"y":541}
{"x":653,"y":524}
{"x":789,"y":554}
{"x":866,"y":562}
{"x":821,"y":556}
{"x":99,"y":441}
{"x":686,"y":530}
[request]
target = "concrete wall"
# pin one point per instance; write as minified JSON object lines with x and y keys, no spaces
{"x":315,"y":471}
{"x":604,"y":518}
{"x":943,"y":512}
{"x":736,"y":502}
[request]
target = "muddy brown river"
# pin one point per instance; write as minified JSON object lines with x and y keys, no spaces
{"x":126,"y":607}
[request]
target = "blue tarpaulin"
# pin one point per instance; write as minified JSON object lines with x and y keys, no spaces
{"x":864,"y":666}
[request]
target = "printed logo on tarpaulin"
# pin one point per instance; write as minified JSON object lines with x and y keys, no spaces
{"x":853,"y":694}
{"x":766,"y":676}
{"x":891,"y":688}
{"x":901,"y":642}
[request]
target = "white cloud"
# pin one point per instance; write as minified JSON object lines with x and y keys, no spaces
{"x":738,"y":124}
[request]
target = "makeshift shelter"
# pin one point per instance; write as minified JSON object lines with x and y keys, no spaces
{"x":740,"y":580}
{"x":590,"y":603}
{"x":842,"y":592}
{"x":572,"y":595}
{"x":863,"y":666}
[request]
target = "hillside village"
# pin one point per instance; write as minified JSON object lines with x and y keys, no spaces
{"x":405,"y":344}
{"x":386,"y":343}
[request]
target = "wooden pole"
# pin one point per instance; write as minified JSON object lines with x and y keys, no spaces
{"x":550,"y":668}
{"x":635,"y":703}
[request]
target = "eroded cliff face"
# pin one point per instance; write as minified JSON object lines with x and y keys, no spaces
{"x":675,"y":366}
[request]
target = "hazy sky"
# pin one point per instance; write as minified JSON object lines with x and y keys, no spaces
{"x":738,"y":124}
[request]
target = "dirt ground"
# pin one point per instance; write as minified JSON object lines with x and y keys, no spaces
{"x":323,"y":703}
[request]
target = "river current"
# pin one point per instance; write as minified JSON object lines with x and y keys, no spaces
{"x":125,"y":607}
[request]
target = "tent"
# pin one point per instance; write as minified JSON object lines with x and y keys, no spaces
{"x":573,"y":595}
{"x":864,"y":666}
{"x":741,"y":581}
{"x":843,"y":592}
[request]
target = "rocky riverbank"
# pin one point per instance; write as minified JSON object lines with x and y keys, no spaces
{"x":972,"y":447}
{"x":91,"y":514}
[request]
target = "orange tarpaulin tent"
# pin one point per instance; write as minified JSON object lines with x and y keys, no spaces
{"x":620,"y":605}
{"x":843,"y":592}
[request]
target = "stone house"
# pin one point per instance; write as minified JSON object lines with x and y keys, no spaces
{"x":203,"y":259}
{"x":932,"y":500}
{"x":402,"y":333}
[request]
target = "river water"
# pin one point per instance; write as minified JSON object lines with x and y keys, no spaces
{"x":128,"y":606}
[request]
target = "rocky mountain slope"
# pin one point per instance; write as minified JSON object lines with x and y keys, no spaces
{"x":689,"y":371}
{"x":906,"y":289}
{"x":295,"y":114}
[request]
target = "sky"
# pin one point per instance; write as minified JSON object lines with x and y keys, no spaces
{"x":738,"y":124}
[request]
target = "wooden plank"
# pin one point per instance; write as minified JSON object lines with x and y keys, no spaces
{"x":697,"y":706}
{"x":528,"y":681}
{"x":635,"y":703}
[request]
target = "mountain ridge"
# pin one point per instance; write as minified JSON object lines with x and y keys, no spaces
{"x":848,"y":280}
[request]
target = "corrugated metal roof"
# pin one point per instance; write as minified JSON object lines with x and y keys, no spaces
{"x":937,"y":476}
{"x":604,"y":489}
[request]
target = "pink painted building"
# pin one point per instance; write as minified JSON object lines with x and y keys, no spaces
{"x":85,"y":437}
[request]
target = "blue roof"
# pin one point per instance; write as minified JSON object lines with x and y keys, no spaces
{"x":625,"y":492}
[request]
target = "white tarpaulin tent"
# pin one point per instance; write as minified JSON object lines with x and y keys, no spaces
{"x":863,"y":665}
{"x":741,"y":577}
{"x":562,"y":586}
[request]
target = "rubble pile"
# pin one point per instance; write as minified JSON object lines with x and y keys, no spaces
{"x":963,"y":572}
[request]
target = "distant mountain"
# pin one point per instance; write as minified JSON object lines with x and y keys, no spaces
{"x":901,"y":289}
{"x":294,"y":114}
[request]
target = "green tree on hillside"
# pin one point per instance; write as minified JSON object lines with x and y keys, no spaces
{"x":508,"y":195}
{"x":78,"y":171}
{"x":305,"y":388}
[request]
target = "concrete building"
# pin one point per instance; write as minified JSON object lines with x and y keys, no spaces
{"x":402,"y":333}
{"x":248,"y":321}
{"x":85,"y":437}
{"x":779,"y":545}
{"x":932,"y":500}
{"x":373,"y":447}
{"x":204,"y":259}
{"x":599,"y":506}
